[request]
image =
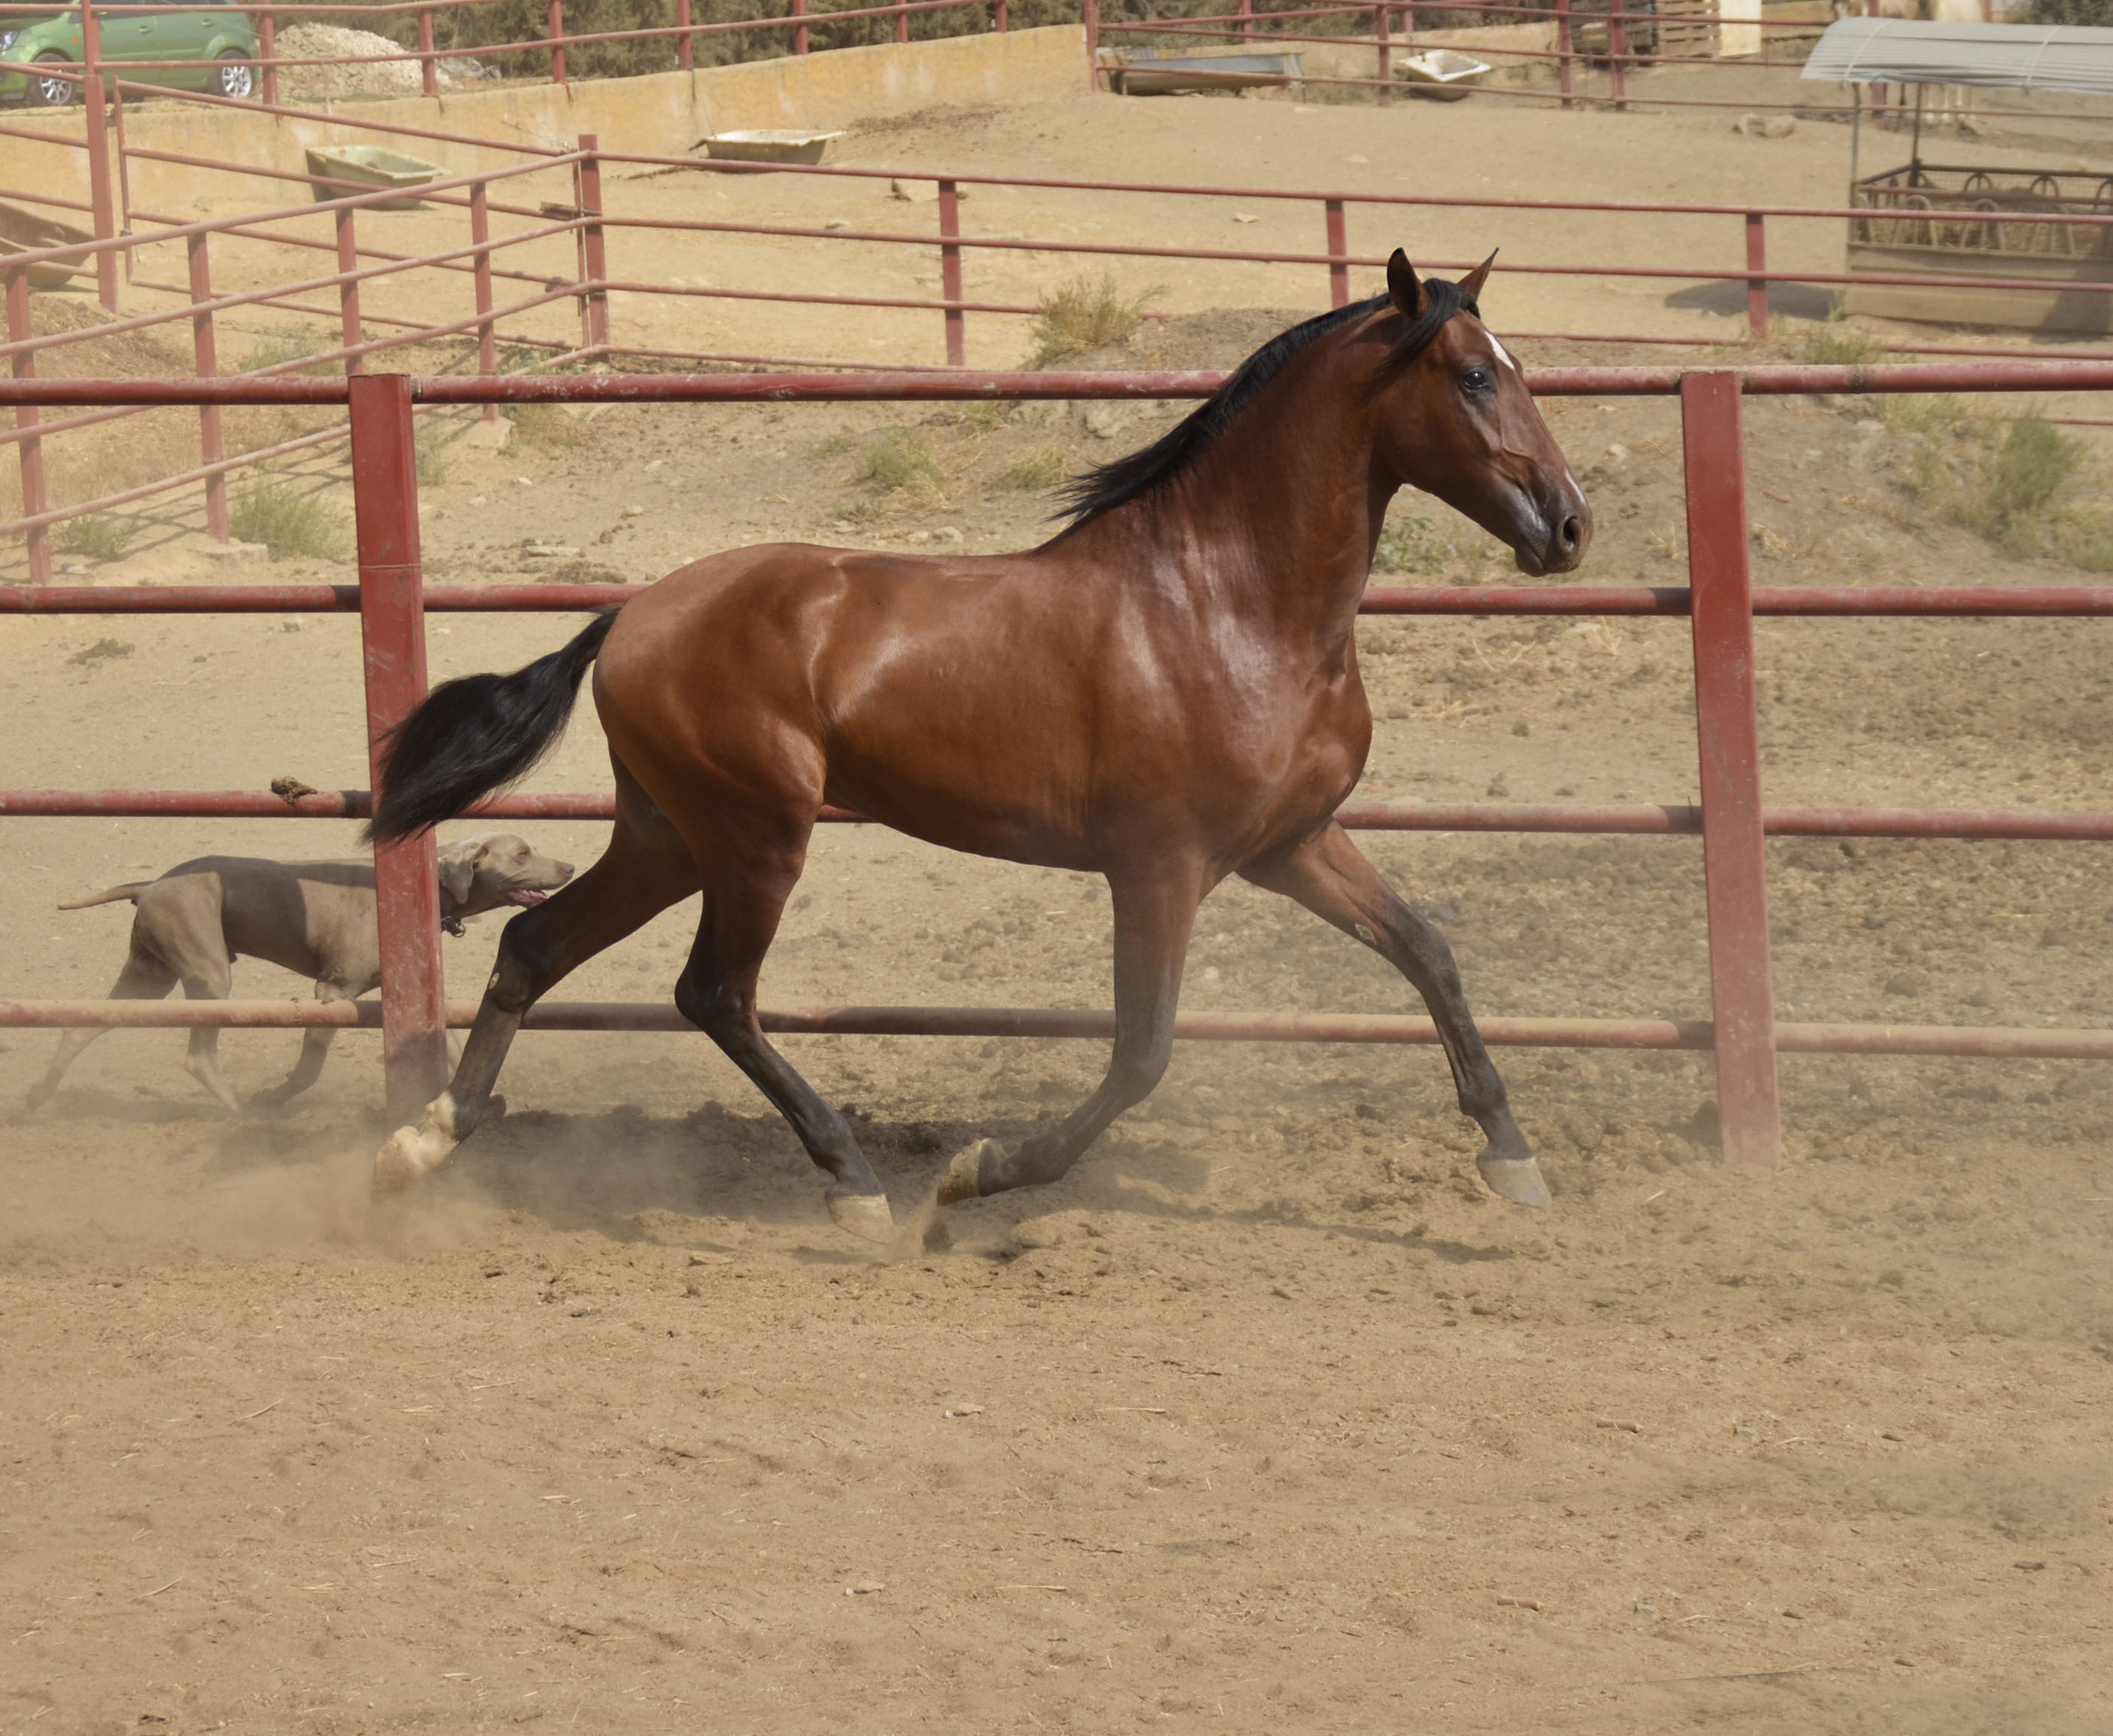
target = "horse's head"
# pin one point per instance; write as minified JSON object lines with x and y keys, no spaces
{"x":1457,"y":420}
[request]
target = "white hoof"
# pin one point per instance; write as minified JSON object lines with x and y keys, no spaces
{"x":866,"y":1216}
{"x":1516,"y":1179}
{"x":414,"y":1152}
{"x":964,"y":1176}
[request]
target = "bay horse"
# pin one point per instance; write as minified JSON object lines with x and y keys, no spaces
{"x":1165,"y":693}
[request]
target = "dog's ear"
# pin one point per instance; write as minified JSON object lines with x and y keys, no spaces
{"x":1470,"y":285}
{"x":1408,"y":296}
{"x":458,"y":869}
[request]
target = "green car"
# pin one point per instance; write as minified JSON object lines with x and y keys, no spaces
{"x":133,"y":33}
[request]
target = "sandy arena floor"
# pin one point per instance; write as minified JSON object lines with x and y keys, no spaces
{"x":1268,"y":1417}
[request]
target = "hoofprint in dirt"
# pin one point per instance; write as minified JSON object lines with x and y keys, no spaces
{"x":1267,"y":1449}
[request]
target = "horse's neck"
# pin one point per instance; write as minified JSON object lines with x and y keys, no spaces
{"x":1277,"y":519}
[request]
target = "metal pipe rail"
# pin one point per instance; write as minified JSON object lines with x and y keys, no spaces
{"x":1719,"y":600}
{"x":1791,"y":1039}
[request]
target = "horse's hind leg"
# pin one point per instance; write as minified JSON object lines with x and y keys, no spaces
{"x":744,"y":895}
{"x":1331,"y":878}
{"x":645,"y":869}
{"x":1153,"y":918}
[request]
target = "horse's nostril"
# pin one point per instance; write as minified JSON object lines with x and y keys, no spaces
{"x":1572,"y":532}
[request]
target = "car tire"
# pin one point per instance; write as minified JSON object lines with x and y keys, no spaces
{"x":235,"y":77}
{"x":50,"y":93}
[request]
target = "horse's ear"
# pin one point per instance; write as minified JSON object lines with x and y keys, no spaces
{"x":1406,"y":292}
{"x":1470,"y":285}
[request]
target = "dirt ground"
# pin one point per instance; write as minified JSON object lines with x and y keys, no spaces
{"x":1268,"y":1417}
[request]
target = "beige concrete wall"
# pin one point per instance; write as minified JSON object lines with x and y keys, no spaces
{"x":659,"y":114}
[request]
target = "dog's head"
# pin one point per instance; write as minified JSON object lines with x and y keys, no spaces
{"x":494,"y":868}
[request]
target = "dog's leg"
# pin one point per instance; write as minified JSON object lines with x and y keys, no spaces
{"x":315,"y":1049}
{"x":145,"y":978}
{"x":202,"y":1061}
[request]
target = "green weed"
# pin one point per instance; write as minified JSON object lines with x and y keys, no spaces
{"x":432,"y":441}
{"x":287,"y":522}
{"x":2012,"y":481}
{"x":1837,"y":344}
{"x":1083,"y":315}
{"x":98,"y":535}
{"x":1042,"y":467}
{"x":282,"y":348}
{"x":1411,"y":545}
{"x":900,"y":459}
{"x":1940,"y":415}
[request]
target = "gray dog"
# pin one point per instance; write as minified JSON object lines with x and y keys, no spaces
{"x":315,"y":918}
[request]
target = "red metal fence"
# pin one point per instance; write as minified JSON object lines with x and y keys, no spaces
{"x":478,"y":269}
{"x":1732,"y":820}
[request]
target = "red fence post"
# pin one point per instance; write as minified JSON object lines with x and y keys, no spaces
{"x":29,"y":452}
{"x":799,"y":42}
{"x":103,"y":210}
{"x":1562,"y":70}
{"x":267,"y":49}
{"x":594,"y":264}
{"x":1247,"y":20}
{"x":429,"y":73}
{"x":1757,"y":285}
{"x":384,"y":482}
{"x":949,"y":273}
{"x":1617,"y":52}
{"x":1001,"y":18}
{"x":1339,"y":266}
{"x":350,"y":332}
{"x":902,"y":20}
{"x":557,"y":34}
{"x":480,"y":236}
{"x":1090,"y":14}
{"x":1728,"y":732}
{"x":1380,"y":33}
{"x":205,"y":357}
{"x":685,"y":55}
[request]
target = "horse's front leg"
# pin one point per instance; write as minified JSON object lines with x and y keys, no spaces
{"x":1154,"y":915}
{"x":1330,"y":877}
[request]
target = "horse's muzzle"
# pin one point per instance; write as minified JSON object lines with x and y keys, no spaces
{"x":1555,"y":536}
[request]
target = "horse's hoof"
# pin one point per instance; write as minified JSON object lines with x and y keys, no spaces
{"x":866,"y":1216}
{"x":415,"y":1153}
{"x":964,"y":1176}
{"x":1516,"y":1179}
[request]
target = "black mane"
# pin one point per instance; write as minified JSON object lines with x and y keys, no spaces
{"x":1107,"y":487}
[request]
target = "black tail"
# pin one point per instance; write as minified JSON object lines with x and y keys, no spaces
{"x":472,"y":737}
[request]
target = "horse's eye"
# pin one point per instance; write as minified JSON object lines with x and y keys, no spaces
{"x":1477,"y":380}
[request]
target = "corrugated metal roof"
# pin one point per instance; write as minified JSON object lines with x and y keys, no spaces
{"x":2007,"y":56}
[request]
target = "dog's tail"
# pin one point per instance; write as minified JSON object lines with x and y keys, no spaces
{"x":472,"y":737}
{"x":108,"y":895}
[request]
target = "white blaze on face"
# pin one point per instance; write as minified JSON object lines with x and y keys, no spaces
{"x":1503,"y":354}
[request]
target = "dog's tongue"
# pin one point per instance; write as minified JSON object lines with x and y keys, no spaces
{"x":526,"y":895}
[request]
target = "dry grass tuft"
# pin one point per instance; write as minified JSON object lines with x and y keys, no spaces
{"x":1083,"y":315}
{"x":287,"y":522}
{"x":549,"y":425}
{"x":902,"y":463}
{"x":98,"y":535}
{"x":1039,"y":467}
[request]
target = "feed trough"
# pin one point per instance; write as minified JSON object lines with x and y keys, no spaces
{"x":26,"y":231}
{"x":768,"y":144}
{"x":1145,"y":74}
{"x":1442,"y":74}
{"x":369,"y":165}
